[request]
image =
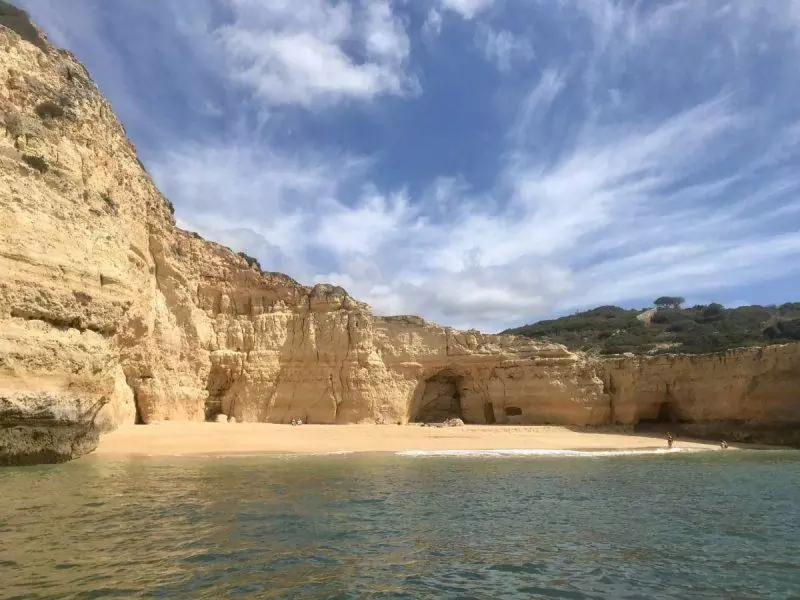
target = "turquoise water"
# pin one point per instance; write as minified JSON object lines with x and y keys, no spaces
{"x":710,"y":525}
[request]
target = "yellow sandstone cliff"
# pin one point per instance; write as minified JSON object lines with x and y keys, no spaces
{"x":746,"y":394}
{"x":110,"y":314}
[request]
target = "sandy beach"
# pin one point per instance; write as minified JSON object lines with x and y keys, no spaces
{"x":198,"y":439}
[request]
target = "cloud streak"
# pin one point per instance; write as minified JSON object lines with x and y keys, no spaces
{"x":468,"y":9}
{"x":502,"y":47}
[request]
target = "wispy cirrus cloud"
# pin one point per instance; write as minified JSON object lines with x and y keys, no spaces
{"x":433,"y":22}
{"x":503,"y":48}
{"x":468,"y":9}
{"x":630,"y":149}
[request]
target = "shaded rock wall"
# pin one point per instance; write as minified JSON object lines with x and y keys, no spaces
{"x":110,"y":314}
{"x":42,"y":427}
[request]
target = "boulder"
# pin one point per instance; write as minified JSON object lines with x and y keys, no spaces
{"x":41,"y":428}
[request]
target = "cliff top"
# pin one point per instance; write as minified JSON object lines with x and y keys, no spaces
{"x":18,"y":21}
{"x":698,"y":329}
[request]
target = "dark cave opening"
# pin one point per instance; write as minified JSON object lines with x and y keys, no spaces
{"x":440,"y":399}
{"x":488,"y":413}
{"x":665,"y":417}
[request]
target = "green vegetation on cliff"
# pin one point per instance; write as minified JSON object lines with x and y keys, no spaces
{"x":670,"y":328}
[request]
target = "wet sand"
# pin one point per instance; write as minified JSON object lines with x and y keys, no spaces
{"x":199,"y":439}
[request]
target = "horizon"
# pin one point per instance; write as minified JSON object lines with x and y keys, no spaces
{"x":480,"y":163}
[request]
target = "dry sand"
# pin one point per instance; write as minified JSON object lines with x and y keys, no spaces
{"x":198,"y":439}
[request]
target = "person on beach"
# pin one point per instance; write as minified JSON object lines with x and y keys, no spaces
{"x":723,"y":444}
{"x":670,"y":440}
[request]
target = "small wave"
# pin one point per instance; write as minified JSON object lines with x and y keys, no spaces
{"x":542,"y":452}
{"x":221,"y":455}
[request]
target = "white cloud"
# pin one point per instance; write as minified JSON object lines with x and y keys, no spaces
{"x":502,"y":47}
{"x":299,"y":53}
{"x":256,"y":198}
{"x":362,"y":229}
{"x":467,"y":8}
{"x":433,"y":22}
{"x":536,"y":104}
{"x":385,"y":34}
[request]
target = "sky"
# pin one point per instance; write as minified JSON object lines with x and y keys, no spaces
{"x":482,"y":163}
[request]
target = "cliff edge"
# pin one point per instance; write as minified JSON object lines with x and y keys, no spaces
{"x":110,"y":314}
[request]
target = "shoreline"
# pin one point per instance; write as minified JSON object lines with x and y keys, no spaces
{"x":194,"y":439}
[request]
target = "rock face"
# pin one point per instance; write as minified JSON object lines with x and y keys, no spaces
{"x":110,"y":314}
{"x":750,"y":394}
{"x":65,"y":280}
{"x":40,"y":427}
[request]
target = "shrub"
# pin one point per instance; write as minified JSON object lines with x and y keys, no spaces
{"x":251,"y":262}
{"x":713,"y":310}
{"x":111,"y":205}
{"x":17,"y":124}
{"x":699,"y":329}
{"x":667,"y":315}
{"x":49,"y":109}
{"x":678,"y":326}
{"x":783,"y":329}
{"x":17,"y":20}
{"x":790,"y":330}
{"x":37,"y":162}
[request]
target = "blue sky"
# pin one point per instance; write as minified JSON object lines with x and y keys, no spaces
{"x":478,"y":162}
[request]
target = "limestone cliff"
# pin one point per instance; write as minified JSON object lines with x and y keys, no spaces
{"x":747,"y":394}
{"x":110,"y":314}
{"x":109,"y":310}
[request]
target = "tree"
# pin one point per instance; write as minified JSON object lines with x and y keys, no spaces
{"x":713,"y":310}
{"x":673,"y":302}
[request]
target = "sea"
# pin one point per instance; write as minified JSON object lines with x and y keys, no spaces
{"x":461,"y":525}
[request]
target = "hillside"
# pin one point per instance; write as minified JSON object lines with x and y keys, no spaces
{"x":695,"y":330}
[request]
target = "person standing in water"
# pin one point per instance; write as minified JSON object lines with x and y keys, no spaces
{"x":670,"y":440}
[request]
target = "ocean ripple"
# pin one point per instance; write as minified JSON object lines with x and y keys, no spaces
{"x":687,"y":525}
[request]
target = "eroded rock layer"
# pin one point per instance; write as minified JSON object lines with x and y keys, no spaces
{"x":110,"y":314}
{"x":749,"y":394}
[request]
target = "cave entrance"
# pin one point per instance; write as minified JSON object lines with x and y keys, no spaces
{"x":665,"y":416}
{"x":665,"y":413}
{"x":488,"y":413}
{"x":440,"y":399}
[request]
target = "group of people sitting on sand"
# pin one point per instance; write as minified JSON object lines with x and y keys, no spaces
{"x":671,"y":440}
{"x":297,"y":421}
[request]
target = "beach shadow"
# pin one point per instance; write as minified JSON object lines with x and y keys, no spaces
{"x":743,"y":438}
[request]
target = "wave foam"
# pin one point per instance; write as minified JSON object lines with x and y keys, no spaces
{"x":542,"y":452}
